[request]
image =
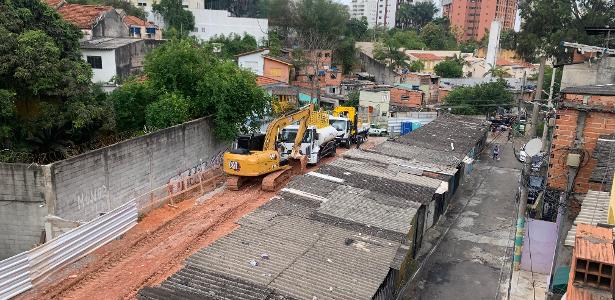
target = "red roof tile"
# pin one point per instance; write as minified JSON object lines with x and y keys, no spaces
{"x":262,"y":80}
{"x":54,"y":3}
{"x":426,"y":56}
{"x":594,"y":243}
{"x":135,"y":21}
{"x":82,"y":16}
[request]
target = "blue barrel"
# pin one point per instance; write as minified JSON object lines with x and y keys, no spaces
{"x":416,"y":125}
{"x":406,"y":127}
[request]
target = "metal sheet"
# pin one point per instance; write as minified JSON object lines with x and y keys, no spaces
{"x":14,"y":276}
{"x":80,"y":241}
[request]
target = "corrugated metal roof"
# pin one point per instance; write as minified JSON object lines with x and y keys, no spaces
{"x":305,"y":258}
{"x":401,"y":165}
{"x":594,"y":210}
{"x":594,"y":243}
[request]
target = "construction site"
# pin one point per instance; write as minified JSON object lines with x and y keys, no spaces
{"x":257,"y":222}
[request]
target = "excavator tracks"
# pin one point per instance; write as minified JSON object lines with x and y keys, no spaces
{"x":234,"y":183}
{"x":273,"y":181}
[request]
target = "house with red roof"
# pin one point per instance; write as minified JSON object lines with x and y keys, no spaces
{"x":142,"y":29}
{"x":95,"y":21}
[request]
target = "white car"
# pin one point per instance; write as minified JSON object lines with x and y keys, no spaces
{"x":375,"y":130}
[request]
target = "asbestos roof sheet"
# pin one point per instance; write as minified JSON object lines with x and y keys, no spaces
{"x":461,"y":131}
{"x":385,"y":171}
{"x":600,"y":89}
{"x":304,"y":258}
{"x":420,"y":155}
{"x":604,"y":153}
{"x":402,"y":165}
{"x":594,"y":211}
{"x":374,"y":183}
{"x":594,"y":243}
{"x":108,"y":43}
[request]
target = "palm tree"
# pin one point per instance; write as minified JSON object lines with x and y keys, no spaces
{"x":496,"y":71}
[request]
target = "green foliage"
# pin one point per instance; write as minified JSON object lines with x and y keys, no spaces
{"x":175,"y":16}
{"x":319,"y":23}
{"x":344,"y":55}
{"x":130,"y":102}
{"x":234,"y":44}
{"x":438,"y":37}
{"x":353,"y":99}
{"x":497,"y":71}
{"x":127,"y":6}
{"x":391,"y":48}
{"x":274,"y":43}
{"x":546,"y":84}
{"x":415,"y":15}
{"x":7,"y":118}
{"x":357,"y":28}
{"x":508,"y":39}
{"x":479,"y":99}
{"x":194,"y":84}
{"x":170,"y":109}
{"x":549,"y":22}
{"x":450,"y":68}
{"x":417,"y":66}
{"x":468,"y":47}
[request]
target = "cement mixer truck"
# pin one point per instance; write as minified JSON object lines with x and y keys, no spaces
{"x":318,"y":141}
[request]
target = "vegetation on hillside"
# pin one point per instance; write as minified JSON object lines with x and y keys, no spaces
{"x":479,"y":99}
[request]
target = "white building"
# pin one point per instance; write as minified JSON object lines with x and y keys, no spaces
{"x":209,"y":23}
{"x":253,"y":61}
{"x":377,"y":12}
{"x":376,"y":100}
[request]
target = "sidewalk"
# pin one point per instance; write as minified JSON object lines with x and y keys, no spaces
{"x":525,"y":285}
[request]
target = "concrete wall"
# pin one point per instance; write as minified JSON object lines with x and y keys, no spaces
{"x":101,"y":180}
{"x":108,"y":64}
{"x":209,"y":23}
{"x":381,"y":73}
{"x":111,"y":25}
{"x":22,"y":207}
{"x":129,"y":58}
{"x":601,"y":72}
{"x":82,"y":187}
{"x":253,"y":62}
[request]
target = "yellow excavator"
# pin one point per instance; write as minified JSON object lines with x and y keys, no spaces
{"x":258,"y":154}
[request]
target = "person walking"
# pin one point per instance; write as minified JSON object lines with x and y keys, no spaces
{"x":496,"y":152}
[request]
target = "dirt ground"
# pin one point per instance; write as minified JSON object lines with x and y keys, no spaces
{"x":157,"y":246}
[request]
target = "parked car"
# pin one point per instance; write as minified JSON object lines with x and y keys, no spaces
{"x":375,"y":130}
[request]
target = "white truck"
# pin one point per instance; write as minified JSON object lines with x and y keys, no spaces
{"x":347,"y":134}
{"x":316,"y":144}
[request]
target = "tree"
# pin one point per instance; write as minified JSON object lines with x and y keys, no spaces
{"x":438,"y":37}
{"x":45,"y":82}
{"x":357,"y":28}
{"x":353,"y":99}
{"x":130,"y":102}
{"x":345,"y":55}
{"x":392,"y":49}
{"x":415,"y":15}
{"x":187,"y":72}
{"x":468,"y":46}
{"x":497,"y":71}
{"x":234,"y":44}
{"x":479,"y":99}
{"x":549,"y":22}
{"x":450,"y":68}
{"x":319,"y":20}
{"x":168,"y":110}
{"x":508,"y":39}
{"x":175,"y":16}
{"x":417,"y":66}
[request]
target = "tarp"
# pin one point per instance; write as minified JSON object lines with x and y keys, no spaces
{"x":538,"y":246}
{"x":304,"y":98}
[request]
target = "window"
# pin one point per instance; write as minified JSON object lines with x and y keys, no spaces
{"x":327,"y":54}
{"x":141,"y":4}
{"x":202,"y":29}
{"x":275,"y":72}
{"x":95,"y":62}
{"x":405,"y":97}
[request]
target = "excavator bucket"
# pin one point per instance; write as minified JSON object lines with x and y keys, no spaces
{"x":273,"y":181}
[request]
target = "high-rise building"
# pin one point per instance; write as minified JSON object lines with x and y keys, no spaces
{"x":379,"y":13}
{"x":472,"y":18}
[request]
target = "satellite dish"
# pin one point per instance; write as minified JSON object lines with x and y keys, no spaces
{"x":533,"y":147}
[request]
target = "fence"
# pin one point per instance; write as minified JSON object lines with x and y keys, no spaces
{"x":20,"y":272}
{"x":394,"y":124}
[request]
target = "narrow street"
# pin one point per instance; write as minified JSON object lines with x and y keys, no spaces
{"x":474,"y":241}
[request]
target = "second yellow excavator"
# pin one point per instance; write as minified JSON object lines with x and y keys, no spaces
{"x":258,"y":154}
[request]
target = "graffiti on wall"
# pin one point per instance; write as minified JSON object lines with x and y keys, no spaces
{"x":86,"y":198}
{"x":176,"y":182}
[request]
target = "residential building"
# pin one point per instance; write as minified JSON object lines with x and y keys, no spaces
{"x":427,"y":82}
{"x":142,"y":29}
{"x":377,"y":100}
{"x":473,"y":18}
{"x":146,"y":5}
{"x":349,"y":85}
{"x":429,"y":60}
{"x":253,"y":60}
{"x":588,"y":69}
{"x":378,"y":13}
{"x":277,"y":68}
{"x":209,"y":23}
{"x":113,"y":58}
{"x":585,"y":122}
{"x":403,"y":96}
{"x":95,"y":21}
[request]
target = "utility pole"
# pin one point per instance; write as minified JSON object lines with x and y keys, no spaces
{"x":525,"y":177}
{"x":538,"y":96}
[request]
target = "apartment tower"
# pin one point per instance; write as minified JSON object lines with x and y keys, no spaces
{"x":472,"y":18}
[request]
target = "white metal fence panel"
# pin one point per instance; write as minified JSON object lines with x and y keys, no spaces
{"x":394,"y":124}
{"x":80,"y":241}
{"x":14,"y":276}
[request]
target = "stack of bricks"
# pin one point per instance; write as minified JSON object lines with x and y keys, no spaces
{"x":592,"y":270}
{"x":598,"y":122}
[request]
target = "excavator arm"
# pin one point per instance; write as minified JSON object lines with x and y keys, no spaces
{"x":302,"y":115}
